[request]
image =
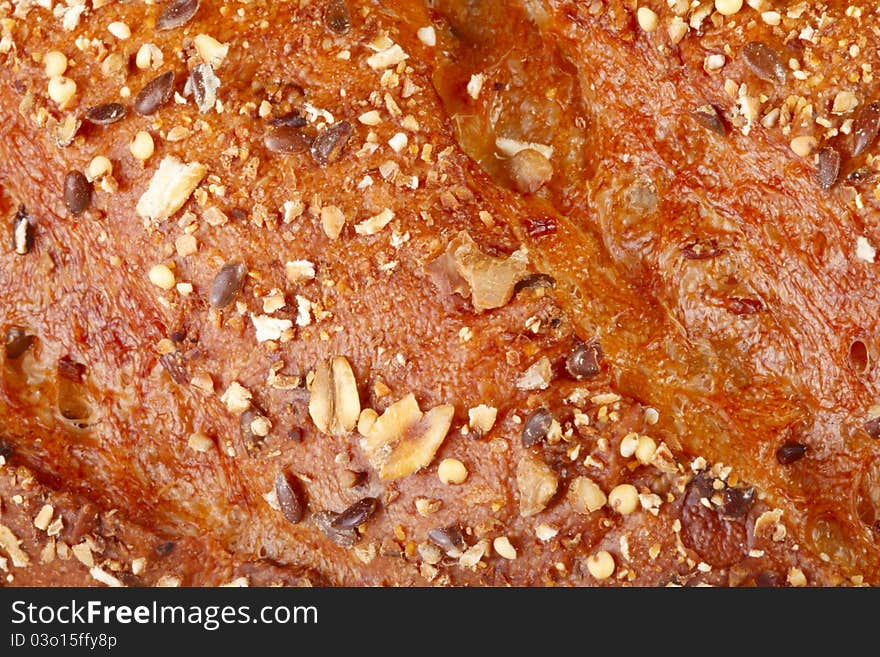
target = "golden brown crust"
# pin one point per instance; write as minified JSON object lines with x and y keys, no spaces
{"x":157,"y":404}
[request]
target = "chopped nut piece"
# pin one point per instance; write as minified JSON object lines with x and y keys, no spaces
{"x":464,"y":268}
{"x":171,"y":186}
{"x":237,"y":398}
{"x":452,"y":471}
{"x":199,"y":442}
{"x":427,"y":35}
{"x":537,"y":484}
{"x":585,"y":495}
{"x":298,"y":271}
{"x":796,"y":577}
{"x":864,"y":250}
{"x":270,"y":328}
{"x":334,"y":405}
{"x":426,"y":506}
{"x":375,"y":223}
{"x":537,"y":377}
{"x":210,"y":50}
{"x":44,"y":517}
{"x":503,"y":547}
{"x":530,"y":170}
{"x":332,"y":221}
{"x":475,"y":85}
{"x":120,"y":30}
{"x":386,"y":58}
{"x":803,"y":146}
{"x":482,"y":418}
{"x":545,"y":532}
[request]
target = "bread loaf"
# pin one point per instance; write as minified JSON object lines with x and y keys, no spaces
{"x":345,"y":292}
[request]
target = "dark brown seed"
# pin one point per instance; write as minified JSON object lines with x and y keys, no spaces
{"x":768,"y":579}
{"x":175,"y":364}
{"x":536,"y":427}
{"x":790,"y":452}
{"x":289,"y":498}
{"x":829,"y":167}
{"x":293,"y":119}
{"x":344,"y":537}
{"x":176,"y":14}
{"x":357,"y":514}
{"x":737,"y":502}
{"x":708,"y":117}
{"x":71,"y":370}
{"x":227,"y":284}
{"x":534,"y":281}
{"x":764,"y":61}
{"x":204,"y":85}
{"x":337,"y":17}
{"x":286,"y":139}
{"x":861,"y":176}
{"x":583,"y":361}
{"x":105,"y":114}
{"x":77,"y":192}
{"x":865,"y":128}
{"x":448,"y":539}
{"x":328,"y":145}
{"x":164,"y":549}
{"x":540,"y":226}
{"x":17,"y":342}
{"x":22,"y":232}
{"x":6,"y":449}
{"x":155,"y":93}
{"x":701,"y":250}
{"x":872,"y":427}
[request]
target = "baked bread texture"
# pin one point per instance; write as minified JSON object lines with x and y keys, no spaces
{"x":350,"y":292}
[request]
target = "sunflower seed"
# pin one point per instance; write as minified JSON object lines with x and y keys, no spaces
{"x":289,"y":498}
{"x":448,"y":539}
{"x":764,"y":61}
{"x":105,"y":114}
{"x":204,"y":85}
{"x":286,"y":139}
{"x":227,"y":284}
{"x":77,"y":192}
{"x":357,"y":514}
{"x":829,"y":167}
{"x":866,"y":128}
{"x":155,"y":93}
{"x":328,"y":145}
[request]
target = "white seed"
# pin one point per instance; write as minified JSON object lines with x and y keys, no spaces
{"x":504,"y":548}
{"x":545,"y":532}
{"x":628,"y":445}
{"x":62,"y":90}
{"x":803,"y":146}
{"x":864,"y":250}
{"x":624,"y":499}
{"x":645,"y":449}
{"x":398,"y":142}
{"x":162,"y":276}
{"x":771,"y":17}
{"x":98,"y":168}
{"x":475,"y":85}
{"x":728,"y":7}
{"x":55,"y":63}
{"x":648,"y":20}
{"x":120,"y":30}
{"x":601,"y":565}
{"x":142,"y":146}
{"x":148,"y":56}
{"x":452,"y":471}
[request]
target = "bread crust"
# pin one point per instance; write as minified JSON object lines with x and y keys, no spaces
{"x":314,"y":139}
